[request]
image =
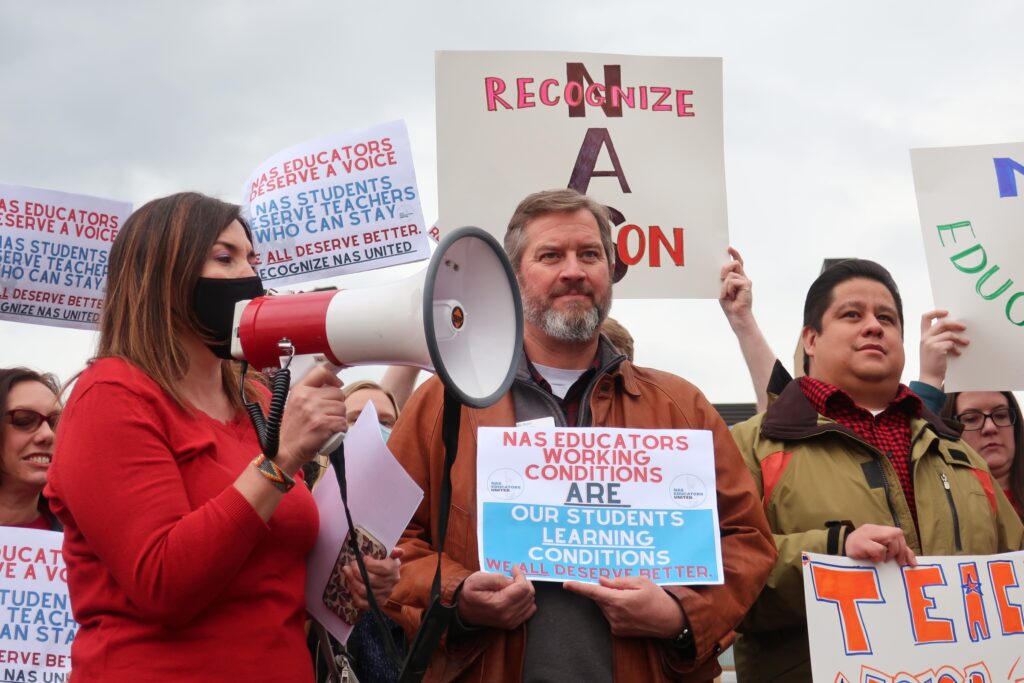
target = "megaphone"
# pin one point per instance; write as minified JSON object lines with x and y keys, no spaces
{"x":462,"y":318}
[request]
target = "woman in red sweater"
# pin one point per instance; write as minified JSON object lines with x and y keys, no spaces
{"x":29,"y":408}
{"x":185,"y":548}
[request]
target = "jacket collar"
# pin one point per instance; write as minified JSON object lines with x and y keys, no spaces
{"x":609,"y":362}
{"x":791,"y":416}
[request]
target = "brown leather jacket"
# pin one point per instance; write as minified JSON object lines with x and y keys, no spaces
{"x":624,"y":396}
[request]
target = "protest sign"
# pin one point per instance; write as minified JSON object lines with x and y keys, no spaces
{"x":371,"y":472}
{"x":579,"y":504}
{"x":36,"y":626}
{"x":947,"y":620}
{"x":642,"y":135}
{"x":53,"y":255}
{"x":337,"y":205}
{"x":972,"y":217}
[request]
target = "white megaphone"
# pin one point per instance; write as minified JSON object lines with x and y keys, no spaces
{"x":462,"y":318}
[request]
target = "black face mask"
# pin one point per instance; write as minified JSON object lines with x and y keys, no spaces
{"x":214,"y":306}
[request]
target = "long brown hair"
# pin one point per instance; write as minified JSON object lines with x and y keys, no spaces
{"x":155,"y":263}
{"x":1017,"y":466}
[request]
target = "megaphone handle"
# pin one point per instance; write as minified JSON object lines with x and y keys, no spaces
{"x":332,"y":443}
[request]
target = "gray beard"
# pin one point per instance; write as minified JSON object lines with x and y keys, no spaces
{"x":577,"y":326}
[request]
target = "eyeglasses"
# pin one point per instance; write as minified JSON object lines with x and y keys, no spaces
{"x":25,"y":420}
{"x":973,"y":420}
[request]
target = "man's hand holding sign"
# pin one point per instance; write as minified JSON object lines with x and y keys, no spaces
{"x":634,"y":606}
{"x":879,"y":544}
{"x":496,"y":600}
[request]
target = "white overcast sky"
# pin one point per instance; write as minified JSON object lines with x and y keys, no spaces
{"x":135,"y":100}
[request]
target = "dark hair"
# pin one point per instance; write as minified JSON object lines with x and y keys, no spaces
{"x":155,"y":264}
{"x":1017,"y":466}
{"x":819,"y":296}
{"x":9,"y":377}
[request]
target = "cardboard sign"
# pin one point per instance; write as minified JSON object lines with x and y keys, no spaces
{"x":36,"y":626}
{"x":642,"y":135}
{"x":971,"y":203}
{"x":53,"y":255}
{"x":337,"y":205}
{"x":578,"y":504}
{"x":948,"y":620}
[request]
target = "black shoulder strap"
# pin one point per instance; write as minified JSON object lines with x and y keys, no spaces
{"x":438,"y":616}
{"x":338,"y":462}
{"x":450,"y":436}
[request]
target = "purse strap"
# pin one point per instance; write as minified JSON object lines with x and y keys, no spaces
{"x":337,"y":459}
{"x":438,"y":616}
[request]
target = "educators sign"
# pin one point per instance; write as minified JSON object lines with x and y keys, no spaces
{"x":53,"y":255}
{"x":947,"y":620}
{"x":642,"y":135}
{"x":971,"y":202}
{"x":338,"y":205}
{"x":579,"y":504}
{"x":36,"y":626}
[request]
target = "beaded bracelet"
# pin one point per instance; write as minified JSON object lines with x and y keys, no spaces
{"x":269,"y":469}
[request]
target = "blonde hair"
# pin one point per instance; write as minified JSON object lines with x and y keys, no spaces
{"x":350,"y":389}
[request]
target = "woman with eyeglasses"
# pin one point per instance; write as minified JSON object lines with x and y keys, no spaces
{"x":993,"y":427}
{"x":31,"y":408}
{"x":186,"y":546}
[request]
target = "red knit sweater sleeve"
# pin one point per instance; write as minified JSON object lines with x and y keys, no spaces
{"x":121,"y":483}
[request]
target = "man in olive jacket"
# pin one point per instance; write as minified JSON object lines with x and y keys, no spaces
{"x":849,"y":462}
{"x":625,"y":629}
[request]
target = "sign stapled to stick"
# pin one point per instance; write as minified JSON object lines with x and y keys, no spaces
{"x":53,"y":255}
{"x":338,"y":205}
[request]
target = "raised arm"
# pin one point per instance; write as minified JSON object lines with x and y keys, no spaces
{"x":736,"y":299}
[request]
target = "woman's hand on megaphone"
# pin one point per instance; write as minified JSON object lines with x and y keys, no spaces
{"x":315,"y":411}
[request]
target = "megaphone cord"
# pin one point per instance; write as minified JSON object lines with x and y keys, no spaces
{"x":268,"y":429}
{"x":253,"y":408}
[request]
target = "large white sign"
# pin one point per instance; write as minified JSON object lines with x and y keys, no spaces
{"x":36,"y":626}
{"x":642,"y":135}
{"x":947,"y":620}
{"x":337,"y":205}
{"x":579,"y":504}
{"x":53,"y":255}
{"x":971,"y":202}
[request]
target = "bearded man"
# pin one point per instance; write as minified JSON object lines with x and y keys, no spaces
{"x":625,"y":629}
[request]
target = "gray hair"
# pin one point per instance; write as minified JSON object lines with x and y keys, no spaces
{"x":555,"y":201}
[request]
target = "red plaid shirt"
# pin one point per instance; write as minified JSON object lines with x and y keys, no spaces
{"x":889,"y":431}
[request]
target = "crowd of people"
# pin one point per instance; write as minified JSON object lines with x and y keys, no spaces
{"x":185,"y":537}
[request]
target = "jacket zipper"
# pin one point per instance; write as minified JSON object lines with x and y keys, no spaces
{"x":555,"y":410}
{"x":952,"y":508}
